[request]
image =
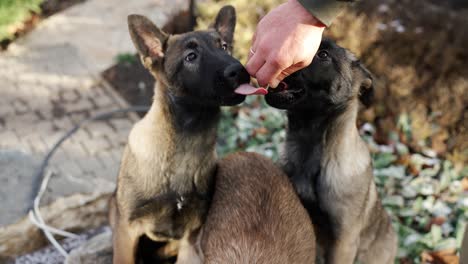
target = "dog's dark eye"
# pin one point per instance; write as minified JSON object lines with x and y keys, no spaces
{"x":322,"y":54}
{"x":191,"y":57}
{"x":224,"y":46}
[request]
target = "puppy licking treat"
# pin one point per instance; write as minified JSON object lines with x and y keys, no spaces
{"x":328,"y":162}
{"x":165,"y":178}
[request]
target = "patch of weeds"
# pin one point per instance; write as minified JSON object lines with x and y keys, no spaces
{"x":126,"y":58}
{"x":426,"y":196}
{"x":253,"y":126}
{"x":13,"y":13}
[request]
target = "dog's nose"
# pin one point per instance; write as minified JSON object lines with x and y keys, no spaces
{"x":235,"y":73}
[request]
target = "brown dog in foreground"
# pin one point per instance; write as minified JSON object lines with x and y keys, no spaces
{"x":165,"y":179}
{"x":255,"y":217}
{"x":328,"y":162}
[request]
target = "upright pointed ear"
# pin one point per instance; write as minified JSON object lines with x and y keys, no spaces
{"x":225,"y":23}
{"x":148,"y":39}
{"x":366,"y":89}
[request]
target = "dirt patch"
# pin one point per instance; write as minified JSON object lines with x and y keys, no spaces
{"x":130,"y":79}
{"x":421,"y":63}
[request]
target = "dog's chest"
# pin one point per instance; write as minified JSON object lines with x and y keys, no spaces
{"x":326,"y":178}
{"x":304,"y":181}
{"x":302,"y":164}
{"x":165,"y":157}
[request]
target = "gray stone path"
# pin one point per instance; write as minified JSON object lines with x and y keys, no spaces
{"x":49,"y":81}
{"x":17,"y":168}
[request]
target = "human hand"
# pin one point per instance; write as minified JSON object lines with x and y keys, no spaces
{"x":285,"y":41}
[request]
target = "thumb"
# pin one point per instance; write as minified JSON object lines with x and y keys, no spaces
{"x":288,"y":71}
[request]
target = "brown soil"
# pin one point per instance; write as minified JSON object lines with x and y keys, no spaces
{"x":48,"y":8}
{"x":421,"y":64}
{"x":131,"y":80}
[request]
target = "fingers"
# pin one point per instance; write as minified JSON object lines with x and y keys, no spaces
{"x":267,"y":75}
{"x":252,"y":49}
{"x":258,"y":67}
{"x":266,"y":72}
{"x":255,"y":62}
{"x":292,"y":69}
{"x":282,"y":76}
{"x":272,"y":71}
{"x":251,"y":53}
{"x":268,"y":67}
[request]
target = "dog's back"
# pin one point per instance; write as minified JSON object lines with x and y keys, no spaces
{"x":255,"y":216}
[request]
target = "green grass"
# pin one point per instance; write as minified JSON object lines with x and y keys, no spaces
{"x":126,"y":58}
{"x":13,"y":13}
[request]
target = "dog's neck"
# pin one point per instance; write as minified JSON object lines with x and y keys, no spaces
{"x":311,"y":128}
{"x":175,"y":139}
{"x":316,"y":142}
{"x":190,"y":117}
{"x":182,"y":117}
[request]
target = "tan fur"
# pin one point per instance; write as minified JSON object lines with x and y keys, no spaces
{"x":163,"y":158}
{"x":167,"y":169}
{"x":328,"y":162}
{"x":366,"y":232}
{"x":255,"y":217}
{"x":155,"y":161}
{"x":464,"y":248}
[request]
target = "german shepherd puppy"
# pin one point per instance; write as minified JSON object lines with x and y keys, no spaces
{"x":255,"y":217}
{"x":328,"y":162}
{"x":167,"y":169}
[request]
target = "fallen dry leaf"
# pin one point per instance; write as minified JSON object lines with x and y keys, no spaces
{"x":447,"y":256}
{"x":464,"y":183}
{"x":261,"y":130}
{"x":426,"y":257}
{"x":438,"y":220}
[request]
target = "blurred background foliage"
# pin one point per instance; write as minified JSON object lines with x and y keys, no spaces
{"x":13,"y":13}
{"x":416,"y":129}
{"x":17,"y":17}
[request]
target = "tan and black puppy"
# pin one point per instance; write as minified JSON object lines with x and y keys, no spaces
{"x":328,"y":162}
{"x":255,"y":217}
{"x":167,"y":168}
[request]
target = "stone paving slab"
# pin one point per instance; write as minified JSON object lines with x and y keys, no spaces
{"x":49,"y":81}
{"x":19,"y":166}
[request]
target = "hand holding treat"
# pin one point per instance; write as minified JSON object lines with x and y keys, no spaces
{"x":285,"y":41}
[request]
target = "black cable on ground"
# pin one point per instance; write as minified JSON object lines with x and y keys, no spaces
{"x":39,"y":176}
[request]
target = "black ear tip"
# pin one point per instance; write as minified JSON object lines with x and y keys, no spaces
{"x":227,"y":10}
{"x":133,"y":18}
{"x":366,"y":93}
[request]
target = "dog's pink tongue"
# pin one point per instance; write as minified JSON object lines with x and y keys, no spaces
{"x":247,"y":89}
